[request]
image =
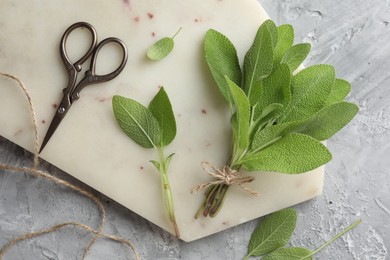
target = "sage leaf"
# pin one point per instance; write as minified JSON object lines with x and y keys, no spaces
{"x":285,"y":41}
{"x":270,"y":111}
{"x":310,"y":89}
{"x":156,"y":164}
{"x":241,"y":119}
{"x":221,"y":58}
{"x":276,"y":87}
{"x":340,"y":90}
{"x":289,"y":253}
{"x":328,"y":120}
{"x":161,"y":109}
{"x":273,"y":232}
{"x":270,"y":134}
{"x":160,"y":49}
{"x":294,"y":153}
{"x":296,"y":55}
{"x":136,"y":121}
{"x":255,"y":93}
{"x":258,"y":61}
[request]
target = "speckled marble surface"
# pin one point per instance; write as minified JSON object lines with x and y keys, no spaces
{"x":353,"y":36}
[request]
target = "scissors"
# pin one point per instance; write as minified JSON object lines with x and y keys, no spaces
{"x":72,"y":91}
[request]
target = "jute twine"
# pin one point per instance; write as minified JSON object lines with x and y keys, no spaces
{"x":227,"y":176}
{"x":98,"y":233}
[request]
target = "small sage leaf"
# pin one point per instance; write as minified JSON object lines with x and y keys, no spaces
{"x":296,"y":55}
{"x":161,"y":108}
{"x":221,"y":57}
{"x":339,"y":91}
{"x":310,"y":89}
{"x":136,"y":121}
{"x":273,"y":232}
{"x":156,"y":164}
{"x":242,"y":115}
{"x":289,"y":253}
{"x":285,"y":41}
{"x":268,"y":135}
{"x":294,"y":153}
{"x":276,"y":87}
{"x":328,"y":120}
{"x":168,"y":160}
{"x":160,"y":49}
{"x":258,"y":61}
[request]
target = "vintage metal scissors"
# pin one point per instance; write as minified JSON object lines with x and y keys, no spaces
{"x":72,"y":91}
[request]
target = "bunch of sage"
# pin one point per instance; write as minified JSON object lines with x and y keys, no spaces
{"x":278,"y":118}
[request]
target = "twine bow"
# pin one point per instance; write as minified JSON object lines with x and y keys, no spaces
{"x":39,"y":173}
{"x":227,"y":176}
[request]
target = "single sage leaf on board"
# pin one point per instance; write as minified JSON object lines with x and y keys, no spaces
{"x":328,"y":120}
{"x":294,"y":153}
{"x":136,"y":121}
{"x":309,"y":91}
{"x":296,"y":55}
{"x":258,"y":61}
{"x":161,"y":109}
{"x":285,"y":41}
{"x":276,"y":87}
{"x":221,"y":57}
{"x":160,"y":49}
{"x":242,"y":115}
{"x":340,"y":90}
{"x":289,"y":253}
{"x":273,"y":232}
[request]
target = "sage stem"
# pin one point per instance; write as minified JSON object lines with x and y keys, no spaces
{"x":166,"y":190}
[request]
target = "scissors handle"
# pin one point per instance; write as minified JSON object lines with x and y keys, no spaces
{"x":64,"y":55}
{"x":90,"y":75}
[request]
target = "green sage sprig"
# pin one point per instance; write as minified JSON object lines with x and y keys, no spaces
{"x":278,"y":118}
{"x":151,"y":127}
{"x":274,"y":232}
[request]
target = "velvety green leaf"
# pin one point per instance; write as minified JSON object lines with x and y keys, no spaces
{"x":340,"y":90}
{"x":285,"y":41}
{"x":292,"y":154}
{"x":273,"y":232}
{"x":289,"y":253}
{"x":270,"y":111}
{"x":258,"y":61}
{"x":255,"y":93}
{"x":296,"y":55}
{"x":221,"y":57}
{"x":276,"y":87}
{"x":263,"y":137}
{"x":328,"y":120}
{"x":242,"y":115}
{"x":161,"y":108}
{"x":309,"y":91}
{"x":136,"y":121}
{"x":160,"y":49}
{"x":273,"y":31}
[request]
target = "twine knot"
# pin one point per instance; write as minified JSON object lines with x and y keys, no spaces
{"x":226,"y":176}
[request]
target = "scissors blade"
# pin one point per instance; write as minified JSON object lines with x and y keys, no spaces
{"x":59,"y":115}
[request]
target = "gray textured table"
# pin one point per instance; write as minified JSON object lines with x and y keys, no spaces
{"x":352,"y":35}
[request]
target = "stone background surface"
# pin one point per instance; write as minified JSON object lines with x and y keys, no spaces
{"x":353,"y":36}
